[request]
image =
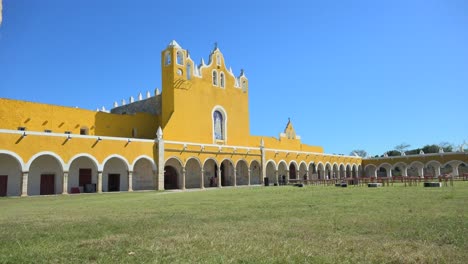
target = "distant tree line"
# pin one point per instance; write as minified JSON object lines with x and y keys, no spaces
{"x":403,"y":148}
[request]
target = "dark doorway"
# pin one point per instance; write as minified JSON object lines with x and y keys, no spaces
{"x":292,"y":172}
{"x":113,"y":184}
{"x":47,"y":184}
{"x":3,"y":185}
{"x":170,"y":178}
{"x":223,"y":175}
{"x":84,"y":177}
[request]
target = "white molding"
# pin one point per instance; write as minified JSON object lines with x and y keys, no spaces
{"x":35,"y":133}
{"x":417,"y":155}
{"x":311,"y":153}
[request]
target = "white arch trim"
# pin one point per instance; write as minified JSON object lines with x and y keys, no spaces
{"x":274,"y":164}
{"x":207,"y":159}
{"x":196,"y":159}
{"x":370,"y":165}
{"x":115,"y":156}
{"x":295,"y":164}
{"x":242,"y":160}
{"x":84,"y":155}
{"x":16,"y":156}
{"x":176,"y":158}
{"x":44,"y":153}
{"x":146,"y":157}
{"x":285,"y":164}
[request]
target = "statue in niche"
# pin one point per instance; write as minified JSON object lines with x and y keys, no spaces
{"x":218,"y":125}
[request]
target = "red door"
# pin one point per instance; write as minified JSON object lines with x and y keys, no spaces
{"x":3,"y":185}
{"x":84,"y":177}
{"x":47,"y":184}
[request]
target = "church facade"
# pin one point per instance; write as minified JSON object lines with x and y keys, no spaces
{"x":195,"y":134}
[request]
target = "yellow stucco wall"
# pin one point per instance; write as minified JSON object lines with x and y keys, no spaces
{"x":58,"y":119}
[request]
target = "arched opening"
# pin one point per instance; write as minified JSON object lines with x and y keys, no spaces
{"x":328,"y":171}
{"x":210,"y":173}
{"x":335,"y":172}
{"x":255,"y":172}
{"x":227,"y":173}
{"x":143,"y":175}
{"x":171,"y":178}
{"x":283,"y":172}
{"x":303,"y":171}
{"x":45,"y":176}
{"x":271,"y":172}
{"x":370,"y":171}
{"x":192,"y":173}
{"x":348,"y":171}
{"x":242,"y":177}
{"x":320,"y":171}
{"x":180,"y":57}
{"x":292,"y":172}
{"x":115,"y":175}
{"x":312,"y":171}
{"x":82,"y":175}
{"x":342,"y":171}
{"x":382,"y":172}
{"x":10,"y":175}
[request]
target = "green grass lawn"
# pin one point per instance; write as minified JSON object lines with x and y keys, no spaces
{"x":314,"y":224}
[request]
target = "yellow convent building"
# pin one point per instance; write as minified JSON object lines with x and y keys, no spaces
{"x":195,"y":134}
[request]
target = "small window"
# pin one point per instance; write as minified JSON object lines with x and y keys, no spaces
{"x":84,"y":131}
{"x":215,"y":78}
{"x":167,"y":58}
{"x":218,"y":60}
{"x":221,"y":79}
{"x":189,"y":71}
{"x":244,"y":86}
{"x":180,"y":58}
{"x":68,"y":132}
{"x":48,"y":131}
{"x":22,"y":128}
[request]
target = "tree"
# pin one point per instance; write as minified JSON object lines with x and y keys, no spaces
{"x":447,"y":147}
{"x":360,"y":152}
{"x":402,"y":147}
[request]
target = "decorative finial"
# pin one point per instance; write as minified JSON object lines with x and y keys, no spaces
{"x":215,"y":45}
{"x":148,"y":94}
{"x":159,"y":133}
{"x":140,"y":97}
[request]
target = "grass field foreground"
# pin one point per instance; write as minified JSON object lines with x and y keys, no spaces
{"x":314,"y":224}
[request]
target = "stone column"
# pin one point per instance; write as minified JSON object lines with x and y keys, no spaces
{"x":99,"y":182}
{"x":160,"y":144}
{"x":307,"y":175}
{"x":389,"y":172}
{"x":421,"y":172}
{"x":65,"y":183}
{"x":263,"y":160}
{"x":437,"y":170}
{"x":454,"y":170}
{"x":248,"y":176}
{"x":202,"y":179}
{"x":276,"y":176}
{"x":183,"y":178}
{"x":404,"y":172}
{"x":235,"y":177}
{"x":24,"y":184}
{"x":219,"y":176}
{"x":287,"y":176}
{"x":130,"y":181}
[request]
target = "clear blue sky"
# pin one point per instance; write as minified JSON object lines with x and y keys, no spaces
{"x":350,"y":74}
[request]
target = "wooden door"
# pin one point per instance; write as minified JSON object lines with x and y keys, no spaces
{"x":47,"y":184}
{"x":84,"y":177}
{"x":3,"y":185}
{"x":113,"y":183}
